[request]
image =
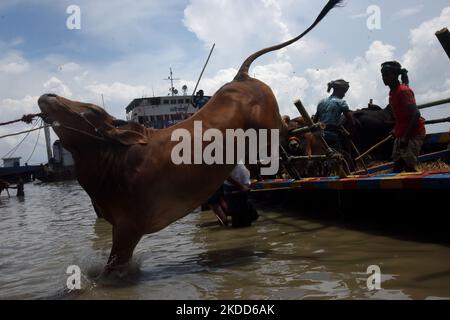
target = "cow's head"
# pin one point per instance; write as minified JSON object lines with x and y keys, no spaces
{"x":295,"y":146}
{"x":83,"y":124}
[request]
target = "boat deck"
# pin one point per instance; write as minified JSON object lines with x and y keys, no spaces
{"x":420,"y":180}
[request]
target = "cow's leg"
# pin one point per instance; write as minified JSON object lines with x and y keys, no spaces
{"x":97,"y":210}
{"x":125,"y":239}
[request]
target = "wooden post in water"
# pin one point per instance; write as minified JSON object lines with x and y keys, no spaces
{"x":444,"y":38}
{"x":48,"y":143}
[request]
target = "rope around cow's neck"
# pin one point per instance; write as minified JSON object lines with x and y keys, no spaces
{"x":56,"y":124}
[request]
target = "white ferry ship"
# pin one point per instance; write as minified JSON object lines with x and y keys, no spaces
{"x":164,"y":111}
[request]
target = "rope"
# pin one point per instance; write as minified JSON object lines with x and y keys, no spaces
{"x":35,"y":145}
{"x":80,"y":131}
{"x":14,"y":149}
{"x":22,"y":132}
{"x":27,"y":118}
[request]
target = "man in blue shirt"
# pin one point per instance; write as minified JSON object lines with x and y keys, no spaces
{"x":329,"y":112}
{"x":200,"y":100}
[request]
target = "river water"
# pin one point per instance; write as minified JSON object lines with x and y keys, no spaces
{"x":282,"y":256}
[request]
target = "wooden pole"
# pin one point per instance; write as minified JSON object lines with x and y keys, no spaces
{"x":354,"y":146}
{"x":309,"y":122}
{"x":306,"y":129}
{"x":438,"y":121}
{"x":444,"y":38}
{"x":374,"y":147}
{"x":203,"y":70}
{"x":48,"y":143}
{"x":305,"y":115}
{"x":433,"y":103}
{"x":311,"y":157}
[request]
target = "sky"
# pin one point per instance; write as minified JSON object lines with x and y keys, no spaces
{"x":123,"y":49}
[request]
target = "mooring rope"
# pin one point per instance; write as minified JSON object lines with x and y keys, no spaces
{"x":22,"y":132}
{"x":35,"y":145}
{"x":27,"y":118}
{"x":14,"y":149}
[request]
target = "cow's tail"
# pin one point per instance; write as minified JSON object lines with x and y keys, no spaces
{"x":243,"y":71}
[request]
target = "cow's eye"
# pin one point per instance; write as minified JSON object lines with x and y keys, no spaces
{"x":85,"y":113}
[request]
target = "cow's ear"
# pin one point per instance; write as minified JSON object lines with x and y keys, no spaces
{"x":126,"y":137}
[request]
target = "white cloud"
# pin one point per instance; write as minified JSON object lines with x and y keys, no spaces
{"x":118,"y":92}
{"x":425,"y":59}
{"x":238,"y":27}
{"x":407,"y":12}
{"x":428,"y":63}
{"x":12,"y":109}
{"x":359,"y":15}
{"x":15,"y":108}
{"x":70,"y":67}
{"x":54,"y":85}
{"x":14,"y":63}
{"x":7,"y":45}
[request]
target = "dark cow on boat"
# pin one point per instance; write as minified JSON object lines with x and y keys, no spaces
{"x":372,"y":125}
{"x":127,"y":169}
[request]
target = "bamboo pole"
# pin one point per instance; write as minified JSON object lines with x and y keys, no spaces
{"x":444,"y":38}
{"x":314,"y":127}
{"x":433,"y":103}
{"x":438,"y":121}
{"x":374,"y":147}
{"x":309,"y":122}
{"x":305,"y":115}
{"x":203,"y":70}
{"x":354,"y":146}
{"x":311,"y":157}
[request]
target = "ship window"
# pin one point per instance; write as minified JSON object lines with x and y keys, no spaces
{"x":180,"y":100}
{"x":155,"y":101}
{"x":165,"y":101}
{"x":173,"y":101}
{"x":188,"y":100}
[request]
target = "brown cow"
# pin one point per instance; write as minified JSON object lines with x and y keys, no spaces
{"x":127,"y":169}
{"x":303,"y":144}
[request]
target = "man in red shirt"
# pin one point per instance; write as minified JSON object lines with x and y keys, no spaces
{"x":409,"y":130}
